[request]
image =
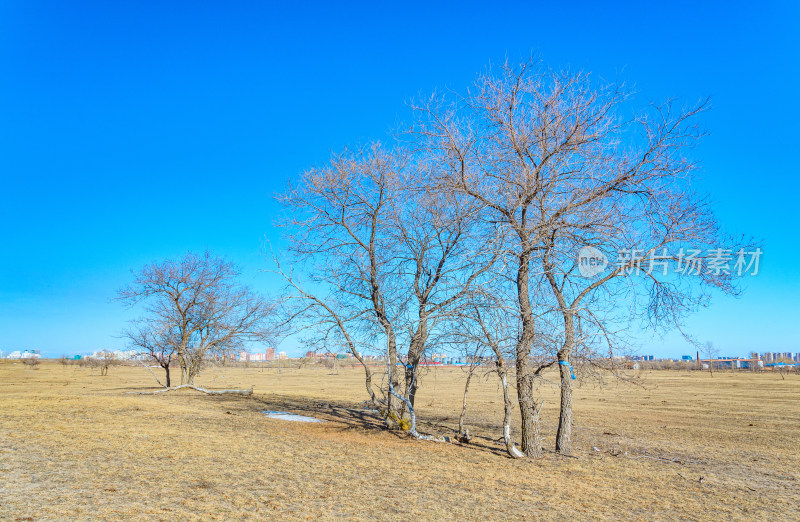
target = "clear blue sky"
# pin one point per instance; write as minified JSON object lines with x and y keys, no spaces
{"x":134,"y":131}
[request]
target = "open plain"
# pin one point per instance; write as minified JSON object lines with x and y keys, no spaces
{"x":77,"y":445}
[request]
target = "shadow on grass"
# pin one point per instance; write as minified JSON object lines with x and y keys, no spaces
{"x":355,"y":416}
{"x":352,"y":416}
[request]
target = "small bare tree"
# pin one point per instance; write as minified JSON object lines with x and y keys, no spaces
{"x":195,"y":308}
{"x":783,"y":364}
{"x":473,"y":359}
{"x":488,"y":324}
{"x":105,"y":360}
{"x":157,"y":341}
{"x":711,"y":353}
{"x":31,"y":362}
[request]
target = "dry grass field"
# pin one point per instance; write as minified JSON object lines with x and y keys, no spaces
{"x":75,"y":445}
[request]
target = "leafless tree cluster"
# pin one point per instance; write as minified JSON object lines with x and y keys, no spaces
{"x":194,"y":310}
{"x":31,"y":362}
{"x":467,"y":232}
{"x":103,"y":361}
{"x":386,"y":257}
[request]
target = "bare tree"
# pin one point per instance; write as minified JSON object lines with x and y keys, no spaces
{"x":653,"y":226}
{"x":32,"y":362}
{"x":307,"y":311}
{"x":393,"y":255}
{"x":195,"y":307}
{"x":505,"y":145}
{"x":444,"y":254}
{"x":551,"y":157}
{"x":105,"y":360}
{"x":474,"y":358}
{"x":711,"y":352}
{"x":155,"y":339}
{"x":783,"y":364}
{"x":336,"y":230}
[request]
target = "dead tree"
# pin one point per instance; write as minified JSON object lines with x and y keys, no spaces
{"x":245,"y":393}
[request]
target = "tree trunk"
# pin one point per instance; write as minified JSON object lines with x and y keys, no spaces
{"x":529,"y":415}
{"x":415,"y":349}
{"x":367,"y":372}
{"x":508,"y":409}
{"x":393,"y":410}
{"x":564,"y":434}
{"x":461,"y":432}
{"x":187,"y":373}
{"x":166,"y":371}
{"x":411,"y":381}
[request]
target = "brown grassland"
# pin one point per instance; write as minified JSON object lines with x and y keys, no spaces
{"x":75,"y":445}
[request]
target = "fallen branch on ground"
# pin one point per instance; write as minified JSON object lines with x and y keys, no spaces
{"x":246,"y":393}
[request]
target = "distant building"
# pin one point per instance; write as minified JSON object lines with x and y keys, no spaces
{"x":772,"y":357}
{"x":257,"y":357}
{"x":121,"y":355}
{"x":24,"y":354}
{"x":733,"y":363}
{"x":687,"y":358}
{"x":319,"y":355}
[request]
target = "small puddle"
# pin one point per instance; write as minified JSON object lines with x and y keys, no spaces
{"x":284,"y":415}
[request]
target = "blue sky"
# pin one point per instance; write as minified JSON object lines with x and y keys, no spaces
{"x":135,"y":131}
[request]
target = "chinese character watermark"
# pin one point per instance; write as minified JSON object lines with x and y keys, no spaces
{"x":632,"y":261}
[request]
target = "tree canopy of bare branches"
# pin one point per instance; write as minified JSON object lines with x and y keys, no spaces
{"x":194,"y":308}
{"x":469,"y":232}
{"x":553,"y":156}
{"x":385,"y":254}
